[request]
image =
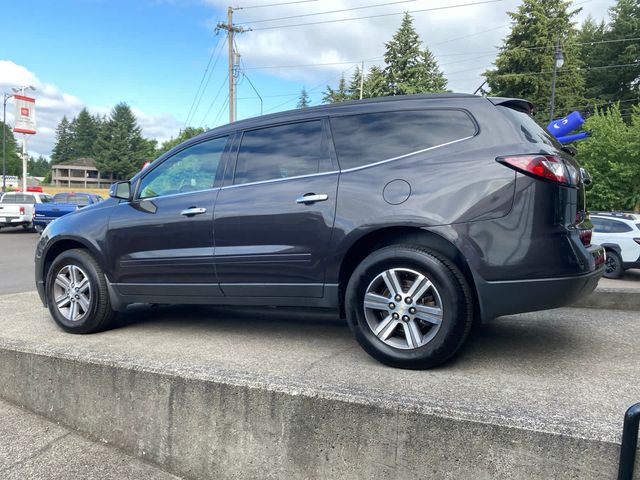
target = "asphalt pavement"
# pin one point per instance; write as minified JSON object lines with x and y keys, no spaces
{"x":17,"y":248}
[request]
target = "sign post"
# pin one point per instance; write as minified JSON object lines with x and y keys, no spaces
{"x":25,"y":123}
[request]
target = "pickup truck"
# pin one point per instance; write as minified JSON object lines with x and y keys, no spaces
{"x":62,"y":204}
{"x":17,"y":208}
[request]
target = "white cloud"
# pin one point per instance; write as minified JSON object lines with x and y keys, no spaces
{"x":52,"y":104}
{"x":462,"y":59}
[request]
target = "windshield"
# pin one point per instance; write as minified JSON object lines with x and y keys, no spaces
{"x":531,"y":130}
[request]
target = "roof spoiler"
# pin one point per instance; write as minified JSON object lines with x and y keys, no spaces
{"x":515,"y":103}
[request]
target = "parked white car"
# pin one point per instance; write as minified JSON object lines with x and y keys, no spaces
{"x":17,"y":208}
{"x":619,"y":234}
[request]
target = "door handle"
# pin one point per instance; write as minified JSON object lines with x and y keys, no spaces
{"x":191,"y":211}
{"x":312,"y":198}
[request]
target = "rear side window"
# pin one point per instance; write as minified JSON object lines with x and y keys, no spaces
{"x":602,"y":225}
{"x":529,"y":128}
{"x":373,"y":137}
{"x":282,"y":151}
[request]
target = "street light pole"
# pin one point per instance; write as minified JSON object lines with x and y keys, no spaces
{"x":558,"y":61}
{"x":5,"y":98}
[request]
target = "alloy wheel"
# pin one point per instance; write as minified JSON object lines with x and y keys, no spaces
{"x":72,"y":293}
{"x":403,"y":308}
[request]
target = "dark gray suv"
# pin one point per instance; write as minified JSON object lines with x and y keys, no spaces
{"x":413,"y":216}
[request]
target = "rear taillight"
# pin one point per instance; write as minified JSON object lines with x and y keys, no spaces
{"x":21,"y":210}
{"x":545,"y":167}
{"x":585,"y":237}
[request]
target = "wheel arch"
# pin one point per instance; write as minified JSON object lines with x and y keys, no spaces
{"x":384,"y":237}
{"x":64,"y":244}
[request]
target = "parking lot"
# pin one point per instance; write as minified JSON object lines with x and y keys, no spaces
{"x":17,"y":247}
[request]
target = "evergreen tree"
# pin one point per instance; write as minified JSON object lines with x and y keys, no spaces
{"x":38,"y":167}
{"x":184,"y":135}
{"x":354,"y":85}
{"x":85,"y":133}
{"x":339,"y":95}
{"x":409,"y":69}
{"x":618,"y":83}
{"x":525,"y":62}
{"x":13,"y":156}
{"x":375,"y":85}
{"x":120,"y":148}
{"x":303,"y":100}
{"x":62,"y":150}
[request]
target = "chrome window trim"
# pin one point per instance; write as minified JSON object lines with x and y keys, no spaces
{"x":368,"y":165}
{"x":318,"y":174}
{"x":361,"y":167}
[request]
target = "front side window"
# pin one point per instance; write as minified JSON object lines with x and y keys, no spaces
{"x":281,"y":151}
{"x":372,"y":137}
{"x":190,"y":170}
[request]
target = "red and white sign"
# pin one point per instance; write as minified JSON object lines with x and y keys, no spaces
{"x":25,"y":121}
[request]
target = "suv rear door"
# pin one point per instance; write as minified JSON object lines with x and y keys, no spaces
{"x":269,"y":241}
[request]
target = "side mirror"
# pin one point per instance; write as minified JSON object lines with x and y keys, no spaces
{"x":120,"y":190}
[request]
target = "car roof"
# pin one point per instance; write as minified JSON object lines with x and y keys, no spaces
{"x":632,"y":217}
{"x":321,"y":110}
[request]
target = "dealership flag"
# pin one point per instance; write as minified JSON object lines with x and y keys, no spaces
{"x":25,"y":121}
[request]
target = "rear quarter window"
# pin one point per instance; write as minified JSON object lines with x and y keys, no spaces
{"x":373,"y":137}
{"x":528,"y":127}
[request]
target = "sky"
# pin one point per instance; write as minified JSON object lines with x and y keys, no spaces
{"x":164,"y":58}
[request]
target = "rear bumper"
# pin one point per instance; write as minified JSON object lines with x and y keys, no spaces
{"x":14,"y":221}
{"x":498,"y":298}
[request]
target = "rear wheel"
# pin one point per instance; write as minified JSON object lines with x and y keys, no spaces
{"x":408,"y":307}
{"x":614,"y":268}
{"x":77,"y":293}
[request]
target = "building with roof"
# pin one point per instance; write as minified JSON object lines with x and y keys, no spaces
{"x":79,"y":173}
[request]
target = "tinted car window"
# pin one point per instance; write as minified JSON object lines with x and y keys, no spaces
{"x":373,"y":137}
{"x":190,"y":170}
{"x":45,"y":198}
{"x":280,"y":152}
{"x":81,"y":200}
{"x":530,"y":129}
{"x":609,"y":226}
{"x":60,"y":198}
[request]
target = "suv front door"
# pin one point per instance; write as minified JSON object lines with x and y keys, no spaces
{"x":161,"y":243}
{"x":273,"y":222}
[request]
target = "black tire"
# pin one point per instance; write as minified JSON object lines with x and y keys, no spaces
{"x":614,"y":267}
{"x":99,"y":313}
{"x":453,"y":291}
{"x":39,"y":229}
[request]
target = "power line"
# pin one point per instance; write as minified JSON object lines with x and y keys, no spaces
{"x":224,"y":104}
{"x":213,"y":52}
{"x":326,"y":82}
{"x":482,"y":2}
{"x":214,"y":100}
{"x":274,"y":4}
{"x":304,"y":65}
{"x":327,"y":12}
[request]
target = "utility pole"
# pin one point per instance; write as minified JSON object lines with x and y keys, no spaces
{"x":231,"y":29}
{"x":361,"y":80}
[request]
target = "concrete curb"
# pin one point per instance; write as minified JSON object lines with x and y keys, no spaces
{"x":201,"y":424}
{"x":611,"y":299}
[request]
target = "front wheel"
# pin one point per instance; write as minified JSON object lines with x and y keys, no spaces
{"x":39,"y":229}
{"x":408,"y":307}
{"x":77,"y":293}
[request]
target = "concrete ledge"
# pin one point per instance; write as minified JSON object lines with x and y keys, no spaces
{"x":203,"y":425}
{"x":612,"y":299}
{"x":255,"y":393}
